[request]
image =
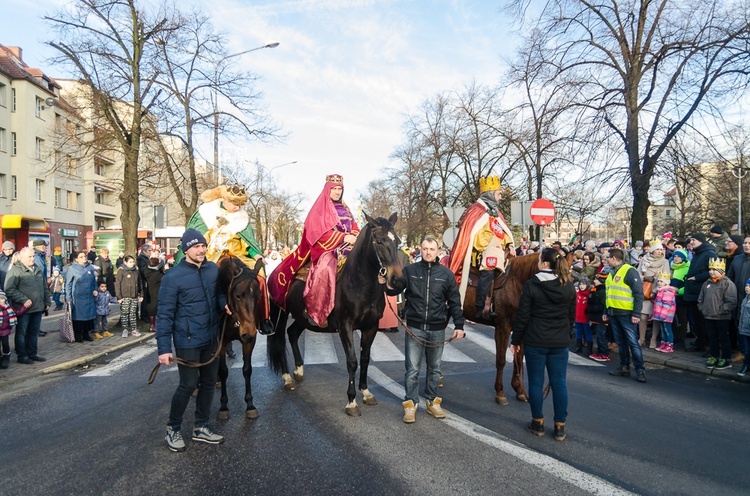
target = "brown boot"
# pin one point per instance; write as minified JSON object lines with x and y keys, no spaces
{"x":410,"y":411}
{"x":560,"y":431}
{"x":536,"y":426}
{"x":151,"y":323}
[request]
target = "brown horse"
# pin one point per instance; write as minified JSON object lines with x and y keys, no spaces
{"x":505,"y":298}
{"x":243,"y":292}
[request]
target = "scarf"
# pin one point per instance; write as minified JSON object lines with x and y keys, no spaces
{"x":488,"y":198}
{"x":12,"y":319}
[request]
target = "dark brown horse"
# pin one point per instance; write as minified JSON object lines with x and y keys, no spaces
{"x":505,"y":298}
{"x":243,"y":291}
{"x":359,"y":304}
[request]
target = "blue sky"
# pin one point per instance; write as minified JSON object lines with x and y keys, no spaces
{"x":342,"y":80}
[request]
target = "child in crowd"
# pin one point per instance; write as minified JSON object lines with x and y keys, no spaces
{"x":56,"y":284}
{"x":103,"y":299}
{"x":665,"y":306}
{"x":583,"y":329}
{"x":716,"y":301}
{"x":8,"y":319}
{"x":130,"y":294}
{"x":597,"y":307}
{"x":743,"y":333}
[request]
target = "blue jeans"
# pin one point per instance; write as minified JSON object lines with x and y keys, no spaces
{"x":433,"y":353}
{"x":626,"y":336}
{"x":666,"y":331}
{"x":204,"y":378}
{"x":583,"y":329}
{"x":744,"y":344}
{"x":555,"y":360}
{"x":56,"y":299}
{"x":717,"y":332}
{"x":27,"y":334}
{"x":600,"y":330}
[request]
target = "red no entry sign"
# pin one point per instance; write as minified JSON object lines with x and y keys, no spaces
{"x":542,"y":212}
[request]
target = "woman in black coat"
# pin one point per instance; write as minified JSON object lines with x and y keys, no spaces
{"x":545,"y":317}
{"x":153,"y":274}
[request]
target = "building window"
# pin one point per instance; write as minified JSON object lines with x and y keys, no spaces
{"x":38,"y":148}
{"x":58,"y":197}
{"x":13,"y":144}
{"x":3,"y":184}
{"x":2,"y":140}
{"x":668,"y":213}
{"x":12,"y":99}
{"x":73,"y":200}
{"x":72,"y":165}
{"x":3,"y":95}
{"x":13,"y":187}
{"x":38,"y":108}
{"x":39,"y":190}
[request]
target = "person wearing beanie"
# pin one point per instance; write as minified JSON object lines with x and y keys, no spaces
{"x":680,"y":266}
{"x":188,"y":315}
{"x":717,"y":301}
{"x":718,"y":238}
{"x":226,"y":227}
{"x":733,"y":246}
{"x":5,"y":259}
{"x":636,"y":253}
{"x":696,"y":275}
{"x":56,"y":284}
{"x":743,"y":332}
{"x":584,"y":340}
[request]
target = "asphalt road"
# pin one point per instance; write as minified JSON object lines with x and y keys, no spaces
{"x":99,"y":430}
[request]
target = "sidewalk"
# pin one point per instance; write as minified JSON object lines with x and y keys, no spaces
{"x":62,"y":356}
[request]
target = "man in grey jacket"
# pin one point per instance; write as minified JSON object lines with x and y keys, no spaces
{"x":25,"y":285}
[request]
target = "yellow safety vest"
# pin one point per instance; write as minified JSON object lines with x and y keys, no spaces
{"x":619,"y":294}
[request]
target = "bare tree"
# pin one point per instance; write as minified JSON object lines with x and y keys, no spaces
{"x":646,"y":69}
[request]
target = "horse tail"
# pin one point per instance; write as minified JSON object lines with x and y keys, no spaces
{"x":277,"y":341}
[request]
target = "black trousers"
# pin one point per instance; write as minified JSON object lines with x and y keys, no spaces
{"x":203,"y":378}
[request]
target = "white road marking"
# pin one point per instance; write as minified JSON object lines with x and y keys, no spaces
{"x":319,"y":348}
{"x":453,"y":354}
{"x":130,"y":356}
{"x":384,"y":350}
{"x":260,"y":354}
{"x":586,"y":482}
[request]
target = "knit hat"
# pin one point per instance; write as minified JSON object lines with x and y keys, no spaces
{"x":2,"y":294}
{"x":699,"y":236}
{"x":190,"y":238}
{"x":737,"y":239}
{"x":746,"y":283}
{"x":605,"y":245}
{"x":682,"y":254}
{"x":639,"y":244}
{"x":8,"y":244}
{"x":717,"y":229}
{"x":40,"y":242}
{"x":585,"y":280}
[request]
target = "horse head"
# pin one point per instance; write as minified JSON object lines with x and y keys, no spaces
{"x":243,"y":292}
{"x":385,"y":243}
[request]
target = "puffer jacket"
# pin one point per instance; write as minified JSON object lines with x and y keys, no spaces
{"x":744,"y":323}
{"x":665,"y":304}
{"x":190,"y":303}
{"x":698,"y":270}
{"x":429,"y":286}
{"x":27,"y":283}
{"x":717,"y":300}
{"x":546,"y":312}
{"x":128,"y":283}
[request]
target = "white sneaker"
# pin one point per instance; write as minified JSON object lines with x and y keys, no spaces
{"x":136,"y":333}
{"x":125,"y":333}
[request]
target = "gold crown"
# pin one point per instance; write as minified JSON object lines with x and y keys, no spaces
{"x":335,"y":178}
{"x":717,"y":264}
{"x":656,"y":245}
{"x":664,"y":276}
{"x":489,"y":183}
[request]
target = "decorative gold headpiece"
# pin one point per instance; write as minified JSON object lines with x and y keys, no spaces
{"x":233,"y":193}
{"x":489,"y":183}
{"x":717,"y":264}
{"x":335,"y":178}
{"x":664,"y":276}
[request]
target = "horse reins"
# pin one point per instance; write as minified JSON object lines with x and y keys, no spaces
{"x":190,"y":363}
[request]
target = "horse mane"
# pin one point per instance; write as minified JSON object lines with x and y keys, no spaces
{"x":525,"y":267}
{"x":358,"y":250}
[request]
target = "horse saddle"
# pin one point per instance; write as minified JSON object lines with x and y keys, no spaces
{"x":498,"y":282}
{"x":304,"y":271}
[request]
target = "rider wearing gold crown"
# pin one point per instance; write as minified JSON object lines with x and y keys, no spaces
{"x":482,"y":241}
{"x":226,"y":227}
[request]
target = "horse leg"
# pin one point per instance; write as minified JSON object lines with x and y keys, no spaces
{"x":295,"y":331}
{"x":516,"y":381}
{"x":364,"y":361}
{"x":347,"y":340}
{"x":223,"y":374}
{"x":501,"y":345}
{"x":247,"y":371}
{"x":277,"y":348}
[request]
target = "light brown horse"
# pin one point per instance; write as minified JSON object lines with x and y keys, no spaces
{"x":505,"y":298}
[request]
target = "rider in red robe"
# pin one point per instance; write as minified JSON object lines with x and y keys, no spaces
{"x":329,"y":233}
{"x":481,"y":242}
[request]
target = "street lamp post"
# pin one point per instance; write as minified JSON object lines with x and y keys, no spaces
{"x":739,"y":172}
{"x":216,"y":101}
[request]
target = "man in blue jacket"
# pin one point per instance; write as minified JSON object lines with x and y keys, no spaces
{"x":188,"y":313}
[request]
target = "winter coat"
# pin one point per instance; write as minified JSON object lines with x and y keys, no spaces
{"x":80,"y":284}
{"x":56,"y":283}
{"x":27,"y":283}
{"x":103,"y":299}
{"x":582,"y":303}
{"x":546,"y":312}
{"x":679,"y":271}
{"x":153,"y":284}
{"x":739,"y":272}
{"x":635,"y":256}
{"x":717,"y":300}
{"x":190,"y":303}
{"x":597,"y":303}
{"x":699,"y":270}
{"x":744,"y":322}
{"x":428,"y":311}
{"x":8,"y":317}
{"x":106,"y":271}
{"x":649,"y":268}
{"x":720,"y":244}
{"x":4,"y":267}
{"x":665,"y":304}
{"x":128,"y":283}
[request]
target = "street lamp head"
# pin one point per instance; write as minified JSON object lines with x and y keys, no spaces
{"x":271,"y":45}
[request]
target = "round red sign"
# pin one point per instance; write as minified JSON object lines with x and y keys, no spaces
{"x":542,"y":212}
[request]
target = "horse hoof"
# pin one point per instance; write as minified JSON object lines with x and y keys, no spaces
{"x":353,"y":411}
{"x":501,"y":400}
{"x":522,"y":397}
{"x":218,"y":384}
{"x":289,"y":386}
{"x":223,"y":415}
{"x":252,"y":414}
{"x":371,"y":401}
{"x":298,"y":377}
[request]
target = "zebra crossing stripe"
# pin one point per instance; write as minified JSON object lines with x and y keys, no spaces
{"x":320,"y":348}
{"x":260,"y":353}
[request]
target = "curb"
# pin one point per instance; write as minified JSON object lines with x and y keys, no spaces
{"x":90,"y":358}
